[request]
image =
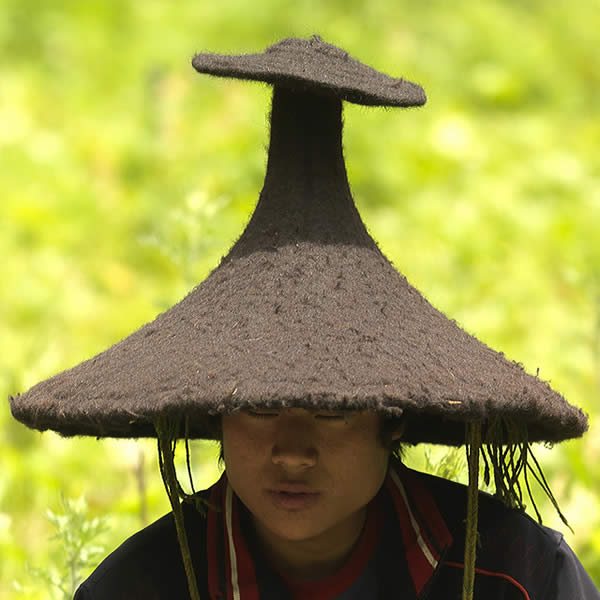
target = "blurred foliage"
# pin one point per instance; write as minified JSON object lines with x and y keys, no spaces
{"x":124,"y":176}
{"x":75,"y":550}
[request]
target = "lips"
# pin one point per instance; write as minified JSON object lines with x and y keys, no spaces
{"x":292,"y":487}
{"x":293,"y":496}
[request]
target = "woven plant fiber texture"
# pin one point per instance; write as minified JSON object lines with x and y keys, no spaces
{"x":304,"y":311}
{"x":316,"y":66}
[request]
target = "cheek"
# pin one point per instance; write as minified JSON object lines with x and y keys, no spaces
{"x":360,"y":458}
{"x":244,"y":457}
{"x":371,"y":465}
{"x":232,"y":444}
{"x":241,"y":446}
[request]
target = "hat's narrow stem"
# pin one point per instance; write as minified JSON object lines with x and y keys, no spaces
{"x":306,"y":196}
{"x":305,"y":148}
{"x":473,"y":439}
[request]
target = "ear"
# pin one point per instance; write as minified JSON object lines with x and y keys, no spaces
{"x":398,"y":432}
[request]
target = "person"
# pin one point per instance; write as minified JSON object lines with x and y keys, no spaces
{"x":312,"y":359}
{"x":315,"y":505}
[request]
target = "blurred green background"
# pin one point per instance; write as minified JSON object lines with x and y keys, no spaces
{"x":125,"y":176}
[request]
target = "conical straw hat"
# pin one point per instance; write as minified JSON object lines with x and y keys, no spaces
{"x":304,"y":311}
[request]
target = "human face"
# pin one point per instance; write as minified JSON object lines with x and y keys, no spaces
{"x":304,"y":475}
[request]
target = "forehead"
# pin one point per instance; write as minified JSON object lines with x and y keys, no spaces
{"x":311,"y":412}
{"x":328,"y":419}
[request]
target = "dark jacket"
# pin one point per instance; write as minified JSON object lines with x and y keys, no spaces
{"x":517,"y":559}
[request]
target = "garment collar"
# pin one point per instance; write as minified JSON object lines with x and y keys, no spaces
{"x":425,"y":536}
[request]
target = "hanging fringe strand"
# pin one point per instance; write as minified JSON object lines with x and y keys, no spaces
{"x":188,"y":455}
{"x":166,"y":432}
{"x":508,"y":455}
{"x":473,"y":445}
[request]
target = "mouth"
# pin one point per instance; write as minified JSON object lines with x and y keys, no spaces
{"x":292,"y":487}
{"x":293,"y":497}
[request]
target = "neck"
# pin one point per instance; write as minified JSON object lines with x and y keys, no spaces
{"x":313,"y":558}
{"x":306,"y":196}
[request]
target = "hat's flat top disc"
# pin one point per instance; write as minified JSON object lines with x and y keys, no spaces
{"x":315,"y":65}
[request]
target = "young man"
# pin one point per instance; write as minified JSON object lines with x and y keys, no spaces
{"x":312,"y":507}
{"x":311,"y":358}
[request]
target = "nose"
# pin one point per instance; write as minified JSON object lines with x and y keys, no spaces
{"x":295,"y":447}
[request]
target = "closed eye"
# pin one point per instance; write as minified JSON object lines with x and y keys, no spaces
{"x":331,"y":416}
{"x":262,"y":414}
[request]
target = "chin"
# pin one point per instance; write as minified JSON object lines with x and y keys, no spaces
{"x":295,"y":534}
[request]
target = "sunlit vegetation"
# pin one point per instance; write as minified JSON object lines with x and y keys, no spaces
{"x":125,"y":176}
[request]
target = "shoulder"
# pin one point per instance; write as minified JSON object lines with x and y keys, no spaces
{"x":451,"y":500}
{"x":148,"y":564}
{"x":512,"y":547}
{"x":513,"y":550}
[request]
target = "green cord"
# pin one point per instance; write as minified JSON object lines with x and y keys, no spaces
{"x":166,"y":434}
{"x":473,"y":438}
